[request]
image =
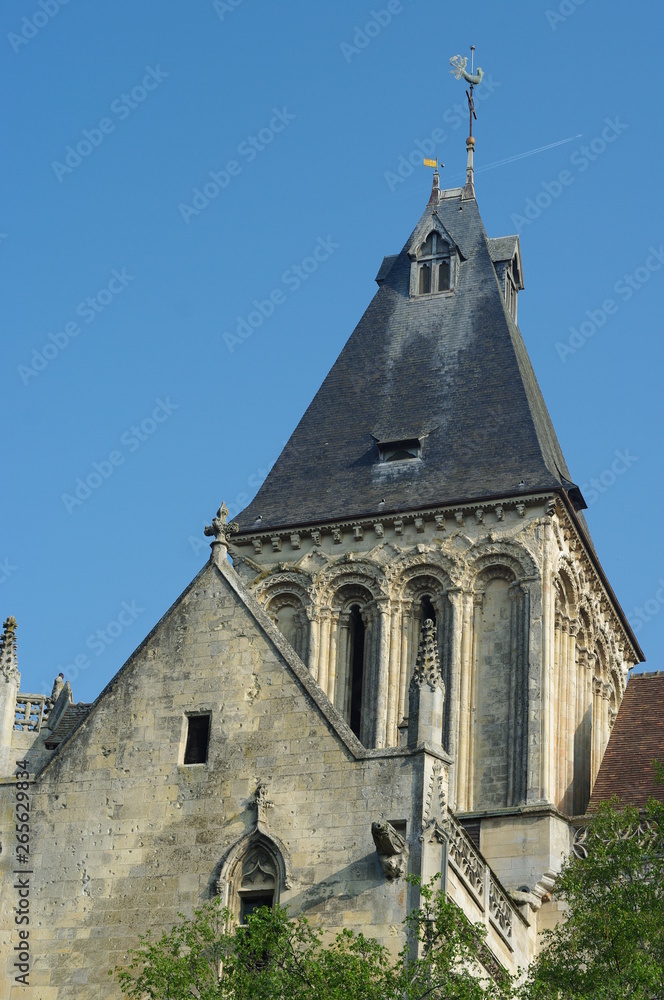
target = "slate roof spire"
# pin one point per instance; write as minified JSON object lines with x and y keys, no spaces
{"x":440,"y":381}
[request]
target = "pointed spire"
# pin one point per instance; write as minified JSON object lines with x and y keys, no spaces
{"x":435,"y":189}
{"x":427,"y":666}
{"x":469,"y":189}
{"x":8,"y":661}
{"x":458,"y":64}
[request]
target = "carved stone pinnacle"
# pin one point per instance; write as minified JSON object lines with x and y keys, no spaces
{"x":8,"y":666}
{"x":219,"y":529}
{"x":427,"y":665}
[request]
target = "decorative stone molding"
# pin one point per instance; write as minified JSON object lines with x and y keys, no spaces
{"x":296,"y":540}
{"x":358,"y":532}
{"x":391,"y":848}
{"x":258,"y":545}
{"x":316,"y":538}
{"x":276,"y":543}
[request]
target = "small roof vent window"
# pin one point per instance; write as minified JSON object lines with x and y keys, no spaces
{"x":398,"y":451}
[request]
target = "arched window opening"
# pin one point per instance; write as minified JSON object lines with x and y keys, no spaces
{"x":258,"y":882}
{"x":433,"y":266}
{"x":357,"y":630}
{"x":427,"y":610}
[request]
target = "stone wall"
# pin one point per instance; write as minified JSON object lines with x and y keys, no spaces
{"x":124,"y":835}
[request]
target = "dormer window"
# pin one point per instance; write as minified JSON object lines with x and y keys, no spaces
{"x":433,"y":266}
{"x":398,"y":451}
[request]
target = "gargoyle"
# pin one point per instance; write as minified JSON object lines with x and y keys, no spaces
{"x":391,"y":848}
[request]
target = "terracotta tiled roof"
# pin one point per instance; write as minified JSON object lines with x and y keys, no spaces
{"x":637,"y":738}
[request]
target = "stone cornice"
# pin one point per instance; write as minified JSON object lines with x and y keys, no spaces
{"x":444,"y":519}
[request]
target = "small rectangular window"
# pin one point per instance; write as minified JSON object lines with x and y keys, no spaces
{"x":198,"y":734}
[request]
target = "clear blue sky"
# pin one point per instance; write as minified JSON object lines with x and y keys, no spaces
{"x":126,"y":294}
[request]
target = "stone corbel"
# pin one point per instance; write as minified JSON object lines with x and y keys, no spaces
{"x":391,"y":848}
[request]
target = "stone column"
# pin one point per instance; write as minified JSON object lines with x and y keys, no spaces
{"x":330,"y":686}
{"x":572,"y":673}
{"x":462,"y":796}
{"x":393,"y":693}
{"x":369,"y":675}
{"x":314,"y":641}
{"x":404,"y":670}
{"x":454,"y":698}
{"x":597,"y":725}
{"x":324,"y":647}
{"x":477,"y":616}
{"x":10,"y":681}
{"x":606,"y":694}
{"x":514,"y":687}
{"x":342,"y":690}
{"x":382,"y":671}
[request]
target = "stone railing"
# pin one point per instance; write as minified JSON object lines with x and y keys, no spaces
{"x":476,"y":876}
{"x":500,"y":910}
{"x":465,"y":859}
{"x":31,"y":712}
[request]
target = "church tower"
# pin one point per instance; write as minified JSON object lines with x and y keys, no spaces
{"x":425,"y":482}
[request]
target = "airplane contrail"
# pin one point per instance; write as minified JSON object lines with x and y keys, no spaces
{"x":530,"y":152}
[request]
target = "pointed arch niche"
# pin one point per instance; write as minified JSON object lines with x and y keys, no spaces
{"x":494,"y":696}
{"x":253,"y":874}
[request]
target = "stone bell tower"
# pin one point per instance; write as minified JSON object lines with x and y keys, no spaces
{"x":425,"y":482}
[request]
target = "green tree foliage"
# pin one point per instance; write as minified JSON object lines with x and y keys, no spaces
{"x":276,"y":958}
{"x":611,"y":944}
